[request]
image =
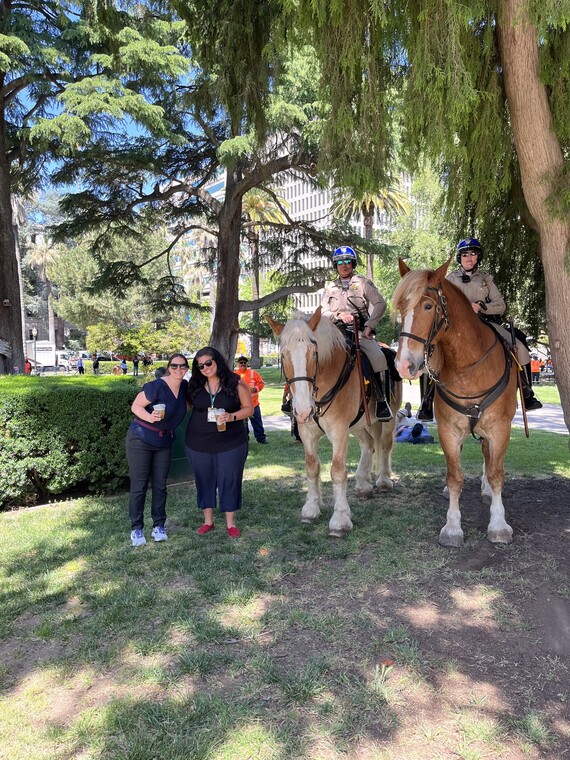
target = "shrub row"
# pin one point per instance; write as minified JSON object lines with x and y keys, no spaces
{"x":62,"y":433}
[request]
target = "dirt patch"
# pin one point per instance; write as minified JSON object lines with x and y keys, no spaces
{"x":486,"y":639}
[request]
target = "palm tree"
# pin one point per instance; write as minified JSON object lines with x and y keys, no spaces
{"x":260,"y":208}
{"x":391,"y":201}
{"x":39,"y":256}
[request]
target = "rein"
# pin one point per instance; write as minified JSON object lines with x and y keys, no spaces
{"x":474,"y":411}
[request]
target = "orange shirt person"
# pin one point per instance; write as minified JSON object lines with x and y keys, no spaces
{"x":255,"y":383}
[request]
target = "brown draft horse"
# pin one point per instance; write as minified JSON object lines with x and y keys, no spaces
{"x":326,"y":401}
{"x":475,"y":385}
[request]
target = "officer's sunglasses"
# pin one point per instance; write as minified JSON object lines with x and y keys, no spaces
{"x":465,"y":254}
{"x":344,"y":261}
{"x":207,"y":363}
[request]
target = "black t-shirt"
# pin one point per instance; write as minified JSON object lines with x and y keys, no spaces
{"x":204,"y":436}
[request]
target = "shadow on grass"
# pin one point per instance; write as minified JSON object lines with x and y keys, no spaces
{"x":273,"y":645}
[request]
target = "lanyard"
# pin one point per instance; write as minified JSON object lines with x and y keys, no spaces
{"x":212,"y":398}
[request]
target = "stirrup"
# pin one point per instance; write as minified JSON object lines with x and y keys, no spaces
{"x":383,"y":411}
{"x":425,"y":414}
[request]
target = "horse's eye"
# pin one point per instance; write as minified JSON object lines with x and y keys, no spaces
{"x":428,"y":306}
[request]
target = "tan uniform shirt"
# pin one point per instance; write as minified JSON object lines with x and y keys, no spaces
{"x":360,"y":296}
{"x":480,"y":288}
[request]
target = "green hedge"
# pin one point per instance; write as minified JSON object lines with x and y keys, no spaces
{"x":62,"y":433}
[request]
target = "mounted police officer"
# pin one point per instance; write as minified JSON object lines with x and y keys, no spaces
{"x":488,"y":303}
{"x":352,"y":294}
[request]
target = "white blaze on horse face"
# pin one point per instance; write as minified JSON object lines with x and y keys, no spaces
{"x":410,"y":354}
{"x":303,"y":403}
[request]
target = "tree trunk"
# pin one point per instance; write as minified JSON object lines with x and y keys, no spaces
{"x":541,"y":162}
{"x":225,"y":328}
{"x":368,"y":220}
{"x":51,"y":313}
{"x":255,"y":361}
{"x":11,"y":348}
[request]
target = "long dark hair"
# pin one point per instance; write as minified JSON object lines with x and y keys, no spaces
{"x":229,"y":381}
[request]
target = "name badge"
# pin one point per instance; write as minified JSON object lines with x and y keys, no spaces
{"x":211,"y":414}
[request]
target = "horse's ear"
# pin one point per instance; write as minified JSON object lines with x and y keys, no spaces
{"x":277,"y":327}
{"x":403,"y":267}
{"x":442,"y":270}
{"x":315,"y":319}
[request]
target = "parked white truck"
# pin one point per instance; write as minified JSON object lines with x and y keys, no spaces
{"x":47,"y":356}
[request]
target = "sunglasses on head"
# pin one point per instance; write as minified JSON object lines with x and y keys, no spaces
{"x":178,"y":366}
{"x":344,"y":261}
{"x":207,"y":363}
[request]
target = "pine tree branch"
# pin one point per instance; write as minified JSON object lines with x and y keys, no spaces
{"x":278,"y":294}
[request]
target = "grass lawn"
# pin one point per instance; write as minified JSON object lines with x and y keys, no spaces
{"x":275,"y":646}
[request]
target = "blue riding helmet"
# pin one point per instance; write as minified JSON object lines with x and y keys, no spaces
{"x":344,"y":253}
{"x":469,"y":244}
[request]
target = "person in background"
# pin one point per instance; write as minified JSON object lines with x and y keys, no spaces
{"x":535,"y":368}
{"x":416,"y":434}
{"x":124,"y":367}
{"x":405,"y":413}
{"x":95,"y":364}
{"x":255,"y":383}
{"x":80,"y":366}
{"x":149,"y":443}
{"x":135,"y":366}
{"x":27,"y":366}
{"x":216,"y":436}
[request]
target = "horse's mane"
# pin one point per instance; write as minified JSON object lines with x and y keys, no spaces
{"x":328,"y":337}
{"x":409,"y":290}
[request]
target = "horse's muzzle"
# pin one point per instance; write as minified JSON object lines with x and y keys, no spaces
{"x":303,"y":415}
{"x":410,"y":367}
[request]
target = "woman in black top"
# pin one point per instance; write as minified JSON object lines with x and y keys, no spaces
{"x":216,"y":437}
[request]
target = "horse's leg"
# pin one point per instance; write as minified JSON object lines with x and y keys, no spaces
{"x":383,"y":445}
{"x":363,"y":486}
{"x":312,"y":507}
{"x":340,"y":522}
{"x":451,"y":533}
{"x":498,"y":530}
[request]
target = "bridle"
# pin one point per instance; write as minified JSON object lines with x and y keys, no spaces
{"x":330,"y":395}
{"x":301,"y":378}
{"x":441,"y":319}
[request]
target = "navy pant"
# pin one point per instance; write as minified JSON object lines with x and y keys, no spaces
{"x":220,"y":473}
{"x":257,"y":424}
{"x":147,"y":462}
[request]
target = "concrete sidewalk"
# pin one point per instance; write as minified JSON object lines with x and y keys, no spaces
{"x":549,"y":418}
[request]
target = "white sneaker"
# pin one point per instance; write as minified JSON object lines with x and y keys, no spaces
{"x":137,"y":537}
{"x":159,"y":534}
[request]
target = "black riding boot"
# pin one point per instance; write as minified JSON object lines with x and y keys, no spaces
{"x":427,"y":389}
{"x":530,"y":400}
{"x":383,"y":411}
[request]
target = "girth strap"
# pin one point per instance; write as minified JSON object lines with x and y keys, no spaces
{"x":475,"y":411}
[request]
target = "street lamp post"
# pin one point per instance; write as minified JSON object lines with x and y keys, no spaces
{"x":34,"y":336}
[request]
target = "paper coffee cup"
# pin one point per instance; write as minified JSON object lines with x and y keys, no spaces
{"x":161,"y":409}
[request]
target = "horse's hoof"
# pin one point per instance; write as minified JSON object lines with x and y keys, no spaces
{"x":338,"y":533}
{"x":500,"y":537}
{"x":451,"y":541}
{"x":385,"y":486}
{"x":364,"y":494}
{"x":309,"y":520}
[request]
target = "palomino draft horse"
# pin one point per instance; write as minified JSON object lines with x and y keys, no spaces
{"x":326,"y":401}
{"x":475,"y":385}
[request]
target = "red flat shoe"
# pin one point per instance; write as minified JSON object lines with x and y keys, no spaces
{"x":205,"y":528}
{"x":233,"y":532}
